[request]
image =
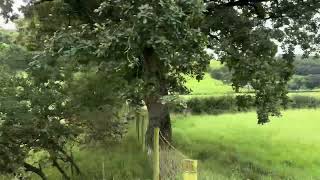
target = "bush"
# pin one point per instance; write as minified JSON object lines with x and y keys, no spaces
{"x":230,"y":104}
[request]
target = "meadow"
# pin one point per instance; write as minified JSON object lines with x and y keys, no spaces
{"x":233,"y":146}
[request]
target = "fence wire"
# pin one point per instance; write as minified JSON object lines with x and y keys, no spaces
{"x":170,"y":160}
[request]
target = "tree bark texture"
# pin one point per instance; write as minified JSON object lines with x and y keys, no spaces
{"x":157,"y":87}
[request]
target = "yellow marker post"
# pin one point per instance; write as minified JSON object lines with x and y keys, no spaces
{"x":143,"y":134}
{"x":156,"y":155}
{"x":190,"y":169}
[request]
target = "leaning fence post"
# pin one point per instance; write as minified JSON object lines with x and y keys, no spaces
{"x":156,"y":156}
{"x":190,"y":169}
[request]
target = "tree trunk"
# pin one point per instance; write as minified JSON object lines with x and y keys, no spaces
{"x":156,"y":88}
{"x":159,"y":116}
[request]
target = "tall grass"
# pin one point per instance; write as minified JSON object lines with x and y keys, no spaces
{"x":114,"y":161}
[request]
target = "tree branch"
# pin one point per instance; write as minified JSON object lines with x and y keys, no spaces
{"x":212,"y":5}
{"x":56,"y":164}
{"x":36,"y":170}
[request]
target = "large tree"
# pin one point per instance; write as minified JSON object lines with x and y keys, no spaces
{"x":155,"y":44}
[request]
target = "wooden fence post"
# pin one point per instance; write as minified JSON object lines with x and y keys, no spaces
{"x":190,"y":169}
{"x":138,"y":125}
{"x":143,"y":133}
{"x":156,"y":155}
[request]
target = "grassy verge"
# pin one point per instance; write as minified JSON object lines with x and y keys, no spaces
{"x":116,"y":161}
{"x":235,"y":147}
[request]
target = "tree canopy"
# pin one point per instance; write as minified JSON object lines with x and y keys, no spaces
{"x":152,"y":45}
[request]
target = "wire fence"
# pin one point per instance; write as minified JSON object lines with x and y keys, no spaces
{"x":170,"y":160}
{"x":170,"y":157}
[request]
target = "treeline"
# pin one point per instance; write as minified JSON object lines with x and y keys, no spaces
{"x":233,"y":104}
{"x":306,"y":76}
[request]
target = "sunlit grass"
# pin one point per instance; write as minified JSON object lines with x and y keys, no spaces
{"x":233,"y":146}
{"x":208,"y":86}
{"x":214,"y":64}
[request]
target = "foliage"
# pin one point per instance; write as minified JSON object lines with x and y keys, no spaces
{"x":41,"y":114}
{"x":6,"y":7}
{"x":222,"y":74}
{"x":34,"y":119}
{"x":305,"y":82}
{"x":118,"y":160}
{"x":308,"y":66}
{"x":11,"y":54}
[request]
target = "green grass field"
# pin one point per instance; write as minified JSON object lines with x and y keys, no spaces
{"x":208,"y":87}
{"x":314,"y":93}
{"x":233,"y":146}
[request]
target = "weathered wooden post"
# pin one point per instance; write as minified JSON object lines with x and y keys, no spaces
{"x":138,"y":125}
{"x":156,"y":155}
{"x":190,"y":169}
{"x":103,"y":171}
{"x":143,"y":133}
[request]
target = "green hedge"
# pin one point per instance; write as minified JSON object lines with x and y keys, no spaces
{"x":304,"y":102}
{"x":229,"y":104}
